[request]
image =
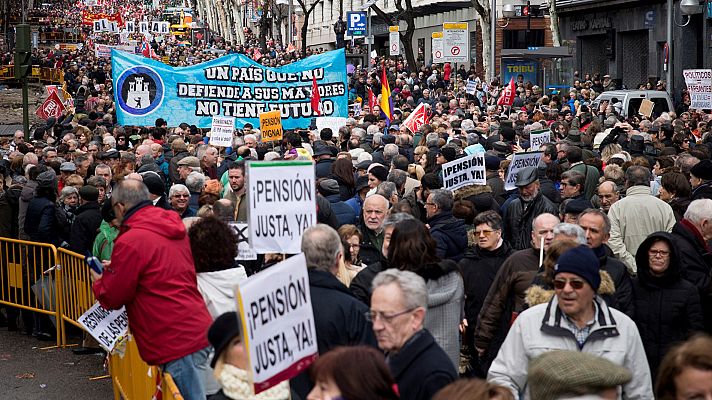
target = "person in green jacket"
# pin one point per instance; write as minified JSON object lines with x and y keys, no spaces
{"x":108,"y":231}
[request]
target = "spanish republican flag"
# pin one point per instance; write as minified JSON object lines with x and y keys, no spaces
{"x":386,"y":101}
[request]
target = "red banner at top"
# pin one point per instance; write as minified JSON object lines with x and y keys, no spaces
{"x":88,"y":17}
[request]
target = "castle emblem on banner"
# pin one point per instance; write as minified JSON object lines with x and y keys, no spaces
{"x":138,"y":96}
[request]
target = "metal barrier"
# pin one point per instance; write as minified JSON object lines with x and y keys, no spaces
{"x":28,"y":279}
{"x":75,"y":296}
{"x":40,"y":74}
{"x":170,"y":390}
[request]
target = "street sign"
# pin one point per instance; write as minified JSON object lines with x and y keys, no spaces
{"x":394,"y":40}
{"x":437,"y":46}
{"x":357,"y":23}
{"x":456,"y":42}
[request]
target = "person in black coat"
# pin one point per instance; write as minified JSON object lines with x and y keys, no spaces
{"x":40,"y":220}
{"x":339,"y":317}
{"x":329,"y":188}
{"x":479,"y":267}
{"x":701,"y":180}
{"x":520,"y":213}
{"x":449,"y":232}
{"x":87,"y":222}
{"x":667,"y":307}
{"x":322,"y":155}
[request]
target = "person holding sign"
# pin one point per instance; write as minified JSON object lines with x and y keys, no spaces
{"x":231,"y":363}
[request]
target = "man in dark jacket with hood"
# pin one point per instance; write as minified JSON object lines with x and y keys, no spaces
{"x":522,"y":211}
{"x":86,"y":224}
{"x":691,"y":235}
{"x":667,"y":307}
{"x":339,"y":317}
{"x":449,"y":232}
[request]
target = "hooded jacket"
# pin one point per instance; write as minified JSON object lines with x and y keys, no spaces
{"x":153,"y":275}
{"x":695,"y":258}
{"x":9,"y":210}
{"x":104,"y":242}
{"x":85,"y":227}
{"x":449,"y":234}
{"x":218,"y":289}
{"x":667,"y":307}
{"x":27,"y":194}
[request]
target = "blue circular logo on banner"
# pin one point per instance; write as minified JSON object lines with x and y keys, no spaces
{"x":140,"y":90}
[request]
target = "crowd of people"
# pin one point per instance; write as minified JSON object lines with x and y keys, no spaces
{"x":590,"y":278}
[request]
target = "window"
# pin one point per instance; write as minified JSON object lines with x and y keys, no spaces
{"x":517,"y":38}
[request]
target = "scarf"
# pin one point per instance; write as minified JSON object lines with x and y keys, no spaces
{"x":236,"y":385}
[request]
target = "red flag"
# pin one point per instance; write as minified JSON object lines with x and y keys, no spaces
{"x":507,"y":96}
{"x":52,"y":107}
{"x":256,"y":55}
{"x":291,"y":48}
{"x":315,"y":97}
{"x":372,"y":100}
{"x":417,"y":118}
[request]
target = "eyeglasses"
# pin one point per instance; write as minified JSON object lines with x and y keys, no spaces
{"x":372,"y":316}
{"x":574,"y":283}
{"x":661,"y":253}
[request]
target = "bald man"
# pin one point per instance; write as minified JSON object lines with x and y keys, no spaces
{"x":608,"y":194}
{"x":375,"y":208}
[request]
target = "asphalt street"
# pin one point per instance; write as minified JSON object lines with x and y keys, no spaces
{"x":27,"y":372}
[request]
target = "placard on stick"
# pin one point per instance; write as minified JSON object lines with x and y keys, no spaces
{"x":271,"y":126}
{"x":221,"y":131}
{"x":464,"y":171}
{"x":106,"y":326}
{"x":519,"y":162}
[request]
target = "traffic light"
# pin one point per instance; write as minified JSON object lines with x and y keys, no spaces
{"x":23,"y":51}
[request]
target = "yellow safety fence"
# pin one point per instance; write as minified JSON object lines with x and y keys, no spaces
{"x":41,"y":278}
{"x":40,"y":74}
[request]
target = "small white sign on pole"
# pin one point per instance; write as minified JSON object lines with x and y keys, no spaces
{"x":282,"y":204}
{"x":464,"y":171}
{"x":699,"y":85}
{"x":221,"y":131}
{"x":277,"y":322}
{"x":394,"y":40}
{"x":456,"y":42}
{"x":537,"y":138}
{"x":519,"y":162}
{"x":436,"y":41}
{"x":244,"y":249}
{"x":106,"y":326}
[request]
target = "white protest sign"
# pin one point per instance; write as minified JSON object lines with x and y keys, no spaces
{"x":97,"y":25}
{"x":102,"y":51}
{"x":699,"y":85}
{"x":165,"y":27}
{"x":537,"y":138}
{"x":519,"y":162}
{"x":106,"y":326}
{"x":130,"y":26}
{"x":278,"y":322}
{"x":471,"y":87}
{"x":244,"y":250}
{"x":335,"y":123}
{"x":113,"y":27}
{"x":436,"y":41}
{"x":143,"y":27}
{"x":468,"y":170}
{"x":221,"y":131}
{"x":394,"y":40}
{"x":104,"y":25}
{"x":282,"y":204}
{"x":156,"y":26}
{"x":456,"y":42}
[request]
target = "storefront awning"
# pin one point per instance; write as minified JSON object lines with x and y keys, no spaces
{"x":537,"y":53}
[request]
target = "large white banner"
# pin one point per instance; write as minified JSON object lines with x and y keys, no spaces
{"x":464,"y":171}
{"x":278,"y":322}
{"x":282,"y":204}
{"x":519,"y":162}
{"x":699,"y":85}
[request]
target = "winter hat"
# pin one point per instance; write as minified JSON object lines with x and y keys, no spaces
{"x":702,"y":170}
{"x":154,"y":183}
{"x":492,"y":162}
{"x":89,"y":193}
{"x":380,"y":172}
{"x":580,"y":261}
{"x":221,"y":332}
{"x":47,"y":179}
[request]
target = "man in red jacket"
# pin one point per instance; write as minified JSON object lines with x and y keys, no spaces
{"x":151,"y":272}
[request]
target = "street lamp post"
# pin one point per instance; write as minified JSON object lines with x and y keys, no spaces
{"x":687,"y":8}
{"x":508,"y":12}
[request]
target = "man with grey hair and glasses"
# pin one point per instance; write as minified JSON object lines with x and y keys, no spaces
{"x":398,"y":306}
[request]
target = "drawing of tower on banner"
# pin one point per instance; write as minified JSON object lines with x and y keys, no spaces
{"x":138,"y":95}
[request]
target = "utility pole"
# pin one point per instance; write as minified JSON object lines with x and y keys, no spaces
{"x":23,"y":66}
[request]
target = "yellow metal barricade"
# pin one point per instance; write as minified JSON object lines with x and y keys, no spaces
{"x":28,"y":280}
{"x":76,"y":295}
{"x":170,"y":390}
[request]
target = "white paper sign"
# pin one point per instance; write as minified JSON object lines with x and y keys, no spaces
{"x":471,"y":87}
{"x":97,"y":26}
{"x":156,"y":26}
{"x":519,"y":162}
{"x":105,"y":25}
{"x":143,"y":27}
{"x":282,"y":204}
{"x":221,"y":131}
{"x":699,"y":85}
{"x":278,"y":322}
{"x":244,"y":249}
{"x":537,"y":138}
{"x":330,"y":122}
{"x":456,"y":42}
{"x":130,"y":26}
{"x":464,"y":171}
{"x":165,"y":27}
{"x":106,"y":326}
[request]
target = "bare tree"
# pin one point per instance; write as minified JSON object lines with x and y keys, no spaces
{"x":265,"y":25}
{"x":482,"y":8}
{"x":307,"y":13}
{"x":554,"y":23}
{"x":403,"y":14}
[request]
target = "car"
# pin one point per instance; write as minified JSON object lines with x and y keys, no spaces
{"x":628,"y":102}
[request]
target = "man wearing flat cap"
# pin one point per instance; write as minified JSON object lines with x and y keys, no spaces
{"x":522,"y":211}
{"x":575,"y":319}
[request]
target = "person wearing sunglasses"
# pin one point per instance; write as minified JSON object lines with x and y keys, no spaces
{"x":576,"y":318}
{"x":667,"y":307}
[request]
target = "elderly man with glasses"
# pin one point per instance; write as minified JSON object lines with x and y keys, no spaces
{"x":398,"y":306}
{"x":574,"y":319}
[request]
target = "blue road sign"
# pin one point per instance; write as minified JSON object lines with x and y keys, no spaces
{"x":356,"y":22}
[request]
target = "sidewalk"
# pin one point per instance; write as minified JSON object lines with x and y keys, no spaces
{"x":28,"y":373}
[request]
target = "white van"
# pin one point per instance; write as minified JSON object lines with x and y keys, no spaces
{"x":630,"y":101}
